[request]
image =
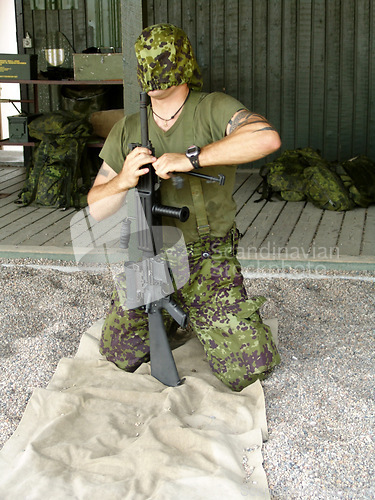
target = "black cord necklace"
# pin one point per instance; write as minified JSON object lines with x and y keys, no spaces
{"x":166,"y":120}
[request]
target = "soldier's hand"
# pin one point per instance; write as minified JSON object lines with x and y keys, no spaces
{"x":134,"y":167}
{"x":171,"y":162}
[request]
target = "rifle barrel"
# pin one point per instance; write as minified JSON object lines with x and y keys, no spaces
{"x":144,"y":100}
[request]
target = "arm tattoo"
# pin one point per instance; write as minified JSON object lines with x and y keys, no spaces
{"x":239,"y":119}
{"x":245,"y":117}
{"x":264,"y":128}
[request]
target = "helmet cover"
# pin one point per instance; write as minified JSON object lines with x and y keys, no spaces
{"x":165,"y":59}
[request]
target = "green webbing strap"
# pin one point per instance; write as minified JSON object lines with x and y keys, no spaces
{"x":203,"y":226}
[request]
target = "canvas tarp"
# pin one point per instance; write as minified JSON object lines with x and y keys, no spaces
{"x":97,"y":432}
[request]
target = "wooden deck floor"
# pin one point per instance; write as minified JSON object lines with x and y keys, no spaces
{"x":274,"y":231}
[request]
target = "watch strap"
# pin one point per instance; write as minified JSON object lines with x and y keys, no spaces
{"x":194,"y":161}
{"x":194,"y":156}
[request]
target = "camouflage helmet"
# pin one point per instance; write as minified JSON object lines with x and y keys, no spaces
{"x":165,"y":58}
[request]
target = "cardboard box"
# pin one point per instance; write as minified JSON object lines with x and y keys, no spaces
{"x":18,"y":67}
{"x":98,"y":66}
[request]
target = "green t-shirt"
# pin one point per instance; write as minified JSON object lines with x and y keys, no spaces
{"x":202,"y":121}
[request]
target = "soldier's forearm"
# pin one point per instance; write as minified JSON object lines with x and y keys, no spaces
{"x":105,"y":199}
{"x":244,"y":145}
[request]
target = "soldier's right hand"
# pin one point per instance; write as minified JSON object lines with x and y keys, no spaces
{"x":134,"y":167}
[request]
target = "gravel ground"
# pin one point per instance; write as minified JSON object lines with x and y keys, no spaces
{"x":319,"y":401}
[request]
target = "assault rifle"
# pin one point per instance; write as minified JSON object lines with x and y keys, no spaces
{"x":148,"y":279}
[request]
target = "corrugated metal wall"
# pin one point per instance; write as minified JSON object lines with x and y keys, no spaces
{"x":308,"y":65}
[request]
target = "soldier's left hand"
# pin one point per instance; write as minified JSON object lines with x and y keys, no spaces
{"x":171,"y":162}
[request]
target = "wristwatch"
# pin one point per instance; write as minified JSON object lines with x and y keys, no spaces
{"x":193,"y":154}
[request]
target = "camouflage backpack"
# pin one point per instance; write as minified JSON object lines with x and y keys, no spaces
{"x":285,"y":177}
{"x":302,"y":174}
{"x":358,"y":176}
{"x":58,"y":168}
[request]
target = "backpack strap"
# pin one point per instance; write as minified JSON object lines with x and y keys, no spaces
{"x":203,"y":226}
{"x":28,"y":193}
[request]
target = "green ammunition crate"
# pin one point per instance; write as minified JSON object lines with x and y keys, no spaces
{"x":18,"y":67}
{"x":98,"y":66}
{"x":18,"y":127}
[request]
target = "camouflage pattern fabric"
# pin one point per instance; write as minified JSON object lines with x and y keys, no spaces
{"x":52,"y":180}
{"x":288,"y":180}
{"x":284,"y":176}
{"x":359,"y":178}
{"x":165,"y":58}
{"x":325,"y":189}
{"x":238,"y":345}
{"x":57,"y":123}
{"x":302,"y":174}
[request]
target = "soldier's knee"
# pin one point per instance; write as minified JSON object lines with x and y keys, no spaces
{"x":237,"y":381}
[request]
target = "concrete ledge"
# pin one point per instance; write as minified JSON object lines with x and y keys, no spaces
{"x":344,"y":262}
{"x":34,"y":252}
{"x":348,"y":263}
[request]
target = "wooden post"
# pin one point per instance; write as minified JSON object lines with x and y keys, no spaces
{"x":132,"y":25}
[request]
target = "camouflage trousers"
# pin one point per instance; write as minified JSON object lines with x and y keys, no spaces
{"x":238,"y":345}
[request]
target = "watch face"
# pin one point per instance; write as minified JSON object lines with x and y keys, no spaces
{"x":192,"y":151}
